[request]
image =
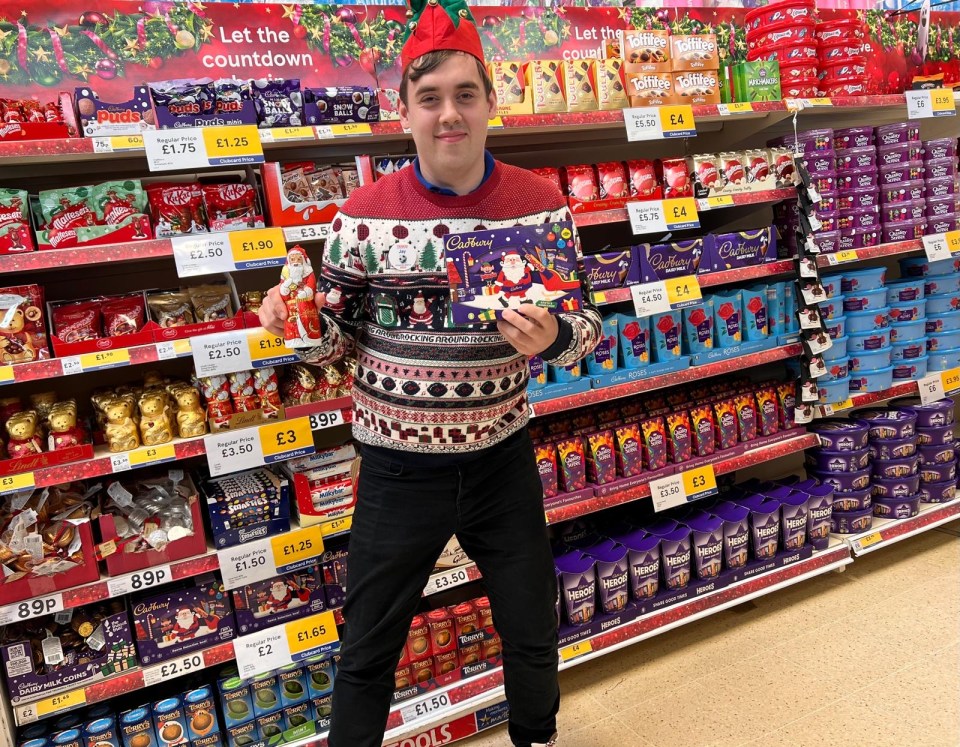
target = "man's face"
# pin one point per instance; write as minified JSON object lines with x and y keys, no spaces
{"x":447,"y":114}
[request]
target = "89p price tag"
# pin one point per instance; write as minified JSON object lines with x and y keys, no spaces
{"x":31,"y":608}
{"x":139,"y":581}
{"x":322,"y":420}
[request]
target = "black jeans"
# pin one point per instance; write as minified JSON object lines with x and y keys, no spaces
{"x":407,"y":509}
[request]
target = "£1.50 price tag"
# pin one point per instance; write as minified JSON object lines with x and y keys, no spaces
{"x":312,"y":636}
{"x":286,"y":439}
{"x":246,"y":564}
{"x":261,"y":247}
{"x":422,"y":708}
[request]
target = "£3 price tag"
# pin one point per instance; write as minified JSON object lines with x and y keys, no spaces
{"x":286,"y":439}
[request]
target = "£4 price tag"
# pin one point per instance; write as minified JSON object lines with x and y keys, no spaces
{"x":683,"y":291}
{"x":576,"y":650}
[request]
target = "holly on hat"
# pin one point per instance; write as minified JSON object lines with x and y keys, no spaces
{"x":440,"y":24}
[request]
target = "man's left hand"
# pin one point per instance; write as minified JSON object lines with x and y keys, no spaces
{"x":531,"y":329}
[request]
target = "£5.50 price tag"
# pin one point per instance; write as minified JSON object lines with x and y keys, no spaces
{"x":232,"y":451}
{"x":232,"y":145}
{"x":286,"y":439}
{"x":261,"y":247}
{"x":936,"y":102}
{"x":261,"y":652}
{"x":221,"y":353}
{"x":312,"y":636}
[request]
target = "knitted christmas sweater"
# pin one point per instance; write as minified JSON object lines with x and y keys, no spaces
{"x":422,"y":384}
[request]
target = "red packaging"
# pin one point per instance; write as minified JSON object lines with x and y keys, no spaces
{"x":613,"y":180}
{"x":788,"y":32}
{"x":548,"y":172}
{"x":176,"y":209}
{"x":799,"y":70}
{"x":842,"y":49}
{"x":466,"y":619}
{"x":844,"y":29}
{"x":32,"y":111}
{"x":491,"y":647}
{"x":11,"y":111}
{"x":23,"y":330}
{"x":422,"y":670}
{"x":643,"y":180}
{"x":442,"y":636}
{"x":123,"y":316}
{"x":243,"y":391}
{"x":757,"y":163}
{"x":470,"y":654}
{"x":732,"y":168}
{"x":483,"y":611}
{"x":706,"y":171}
{"x":676,"y":178}
{"x":230,"y":206}
{"x":403,"y":677}
{"x":447,"y":662}
{"x":800,"y":89}
{"x":52,"y":113}
{"x":216,"y":392}
{"x":76,"y":322}
{"x":844,"y":87}
{"x":418,"y":639}
{"x":582,"y":182}
{"x":267,"y":389}
{"x":842,"y":69}
{"x":785,"y":54}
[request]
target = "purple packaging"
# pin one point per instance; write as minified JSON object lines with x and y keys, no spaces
{"x":578,"y":587}
{"x":663,"y":261}
{"x":120,"y":118}
{"x":901,"y":173}
{"x":857,"y":159}
{"x":538,"y":372}
{"x":945,"y":147}
{"x":828,"y":242}
{"x":340,"y":105}
{"x":852,"y":522}
{"x":908,"y":230}
{"x":729,"y":251}
{"x":938,"y":492}
{"x":888,"y":423}
{"x":941,"y":224}
{"x":675,"y":558}
{"x":856,"y":181}
{"x":571,"y":464}
{"x":276,"y":600}
{"x":612,"y":269}
{"x":937,"y":472}
{"x":898,"y":153}
{"x":601,"y":457}
{"x":819,"y":512}
{"x":905,"y":192}
{"x":895,"y":487}
{"x":793,"y":520}
{"x":897,"y":212}
{"x":940,"y":168}
{"x":902,"y":467}
{"x":941,"y":187}
{"x":930,"y":415}
{"x":764,"y":525}
{"x":858,"y":218}
{"x":892,"y":448}
{"x":899,"y":132}
{"x":859,"y":238}
{"x":897,"y":508}
{"x":942,"y":434}
{"x":858,"y":198}
{"x":706,"y":539}
{"x":335,"y":574}
{"x":838,"y":461}
{"x":279,"y":102}
{"x":856,"y":500}
{"x":937,"y":454}
{"x":202,"y":103}
{"x":938,"y":206}
{"x":853,"y":137}
{"x":808,"y":142}
{"x":644,"y":557}
{"x":844,"y":482}
{"x":821,"y":163}
{"x":841,"y":434}
{"x":736,"y":533}
{"x":612,"y":575}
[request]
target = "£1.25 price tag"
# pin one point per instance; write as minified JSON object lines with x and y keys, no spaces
{"x":295,"y":550}
{"x":286,"y":439}
{"x":232,"y":145}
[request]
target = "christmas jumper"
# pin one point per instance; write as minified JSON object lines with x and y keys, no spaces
{"x":422,"y":384}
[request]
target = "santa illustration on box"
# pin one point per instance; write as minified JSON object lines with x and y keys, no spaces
{"x":191,"y":622}
{"x":283,"y":595}
{"x":514,"y":279}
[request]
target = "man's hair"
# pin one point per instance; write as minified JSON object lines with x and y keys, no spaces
{"x":426,"y":64}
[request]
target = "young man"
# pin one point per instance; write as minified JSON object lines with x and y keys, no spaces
{"x":441,"y":412}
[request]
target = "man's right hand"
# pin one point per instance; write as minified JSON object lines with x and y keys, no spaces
{"x":273,"y":310}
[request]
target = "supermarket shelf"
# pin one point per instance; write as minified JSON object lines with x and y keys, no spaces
{"x":693,"y":373}
{"x":707,"y":280}
{"x":745,"y":455}
{"x":58,"y":259}
{"x":905,"y":389}
{"x":619,"y":215}
{"x":886,"y":532}
{"x":872,"y":252}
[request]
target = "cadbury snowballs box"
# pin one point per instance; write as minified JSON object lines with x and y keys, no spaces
{"x":490,"y":271}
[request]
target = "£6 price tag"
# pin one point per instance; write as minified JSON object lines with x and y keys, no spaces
{"x":930,"y":388}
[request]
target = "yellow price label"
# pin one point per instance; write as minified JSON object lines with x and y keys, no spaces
{"x":6,"y":374}
{"x":720,"y":201}
{"x":10,"y":483}
{"x":941,"y":100}
{"x":325,"y":132}
{"x":257,"y":248}
{"x":495,"y":123}
{"x":293,"y":547}
{"x":285,"y":439}
{"x":699,"y":482}
{"x":105,"y":359}
{"x":951,"y":380}
{"x":264,"y":345}
{"x":870,"y":539}
{"x":224,"y":144}
{"x":738,"y":107}
{"x":152,"y":455}
{"x":819,"y":102}
{"x":847,"y":255}
{"x":312,"y":633}
{"x":62,"y":702}
{"x":847,"y":404}
{"x":679,"y":213}
{"x":575,"y":650}
{"x":681,"y":290}
{"x":953,"y":241}
{"x":126,"y":142}
{"x":599,"y":297}
{"x":337,"y":526}
{"x":275,"y":134}
{"x":677,"y":119}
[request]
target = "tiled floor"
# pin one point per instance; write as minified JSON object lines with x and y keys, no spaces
{"x":865,"y":658}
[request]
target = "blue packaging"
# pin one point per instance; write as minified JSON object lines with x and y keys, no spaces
{"x":538,"y":372}
{"x":665,"y":331}
{"x":698,"y":326}
{"x":67,"y":738}
{"x":101,"y":732}
{"x":755,"y":314}
{"x":935,"y":323}
{"x":293,"y":685}
{"x":603,"y":359}
{"x":266,"y":693}
{"x":790,"y":308}
{"x":169,"y":721}
{"x":728,"y":317}
{"x":137,"y":722}
{"x":200,"y":712}
{"x":635,"y":344}
{"x":775,"y":309}
{"x":235,"y":697}
{"x":320,"y":675}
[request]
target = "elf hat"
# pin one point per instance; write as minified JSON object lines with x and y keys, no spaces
{"x":440,"y":24}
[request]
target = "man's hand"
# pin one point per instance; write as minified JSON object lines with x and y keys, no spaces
{"x":531,"y":329}
{"x":273,"y":310}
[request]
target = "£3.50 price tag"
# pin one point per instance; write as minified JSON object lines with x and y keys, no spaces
{"x":312,"y":636}
{"x":296,"y":234}
{"x":657,"y":122}
{"x":262,"y":247}
{"x":231,"y":451}
{"x":286,"y":439}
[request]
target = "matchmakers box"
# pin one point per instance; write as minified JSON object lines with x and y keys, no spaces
{"x":490,"y":271}
{"x":194,"y":615}
{"x":276,"y":600}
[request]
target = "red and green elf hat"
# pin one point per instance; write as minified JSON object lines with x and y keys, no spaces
{"x":440,"y":24}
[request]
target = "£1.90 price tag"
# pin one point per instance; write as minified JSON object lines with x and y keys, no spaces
{"x":935,"y":102}
{"x":221,"y":353}
{"x":105,"y":359}
{"x":261,"y":247}
{"x":232,"y":451}
{"x":262,"y":652}
{"x":286,"y":439}
{"x":268,"y":349}
{"x":681,"y":488}
{"x":657,"y":122}
{"x":312,"y":636}
{"x":423,"y":708}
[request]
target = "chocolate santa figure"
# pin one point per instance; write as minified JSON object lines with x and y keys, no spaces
{"x":282,"y":594}
{"x":420,"y":314}
{"x":189,"y":621}
{"x":514,"y":279}
{"x":298,"y":285}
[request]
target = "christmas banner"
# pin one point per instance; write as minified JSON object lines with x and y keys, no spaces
{"x":113,"y":45}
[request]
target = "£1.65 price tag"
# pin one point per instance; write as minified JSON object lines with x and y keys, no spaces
{"x":312,"y":636}
{"x":286,"y":439}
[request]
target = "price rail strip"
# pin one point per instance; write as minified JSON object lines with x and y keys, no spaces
{"x":886,"y":532}
{"x":879,"y":251}
{"x":904,"y":389}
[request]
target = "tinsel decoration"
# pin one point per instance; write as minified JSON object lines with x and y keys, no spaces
{"x":531,"y":35}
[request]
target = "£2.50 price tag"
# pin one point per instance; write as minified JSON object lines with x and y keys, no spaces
{"x":201,"y":254}
{"x":172,"y":669}
{"x":221,"y":353}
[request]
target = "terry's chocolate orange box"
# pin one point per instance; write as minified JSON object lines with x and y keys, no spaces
{"x":650,"y":89}
{"x":697,"y":87}
{"x":578,"y":85}
{"x":694,"y":52}
{"x":442,"y":635}
{"x":611,"y":89}
{"x":418,"y":639}
{"x":645,"y":50}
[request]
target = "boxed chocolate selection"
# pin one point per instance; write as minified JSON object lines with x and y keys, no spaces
{"x":182,"y":619}
{"x":645,"y":50}
{"x":510,"y":86}
{"x":676,"y":259}
{"x":22,"y":325}
{"x":694,"y":52}
{"x":737,"y":249}
{"x":697,"y":87}
{"x":579,"y":85}
{"x":611,"y":269}
{"x":276,"y":600}
{"x":247,"y":506}
{"x":204,"y":103}
{"x":340,"y":105}
{"x":650,"y":89}
{"x":334,"y":565}
{"x":611,"y":90}
{"x":545,"y":78}
{"x":122,"y":118}
{"x":756,"y":81}
{"x":44,"y":656}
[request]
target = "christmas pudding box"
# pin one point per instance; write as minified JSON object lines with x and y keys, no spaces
{"x":182,"y":619}
{"x":103,"y":118}
{"x":23,"y":332}
{"x":274,"y":601}
{"x":25,"y":684}
{"x":282,"y":212}
{"x":490,"y":271}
